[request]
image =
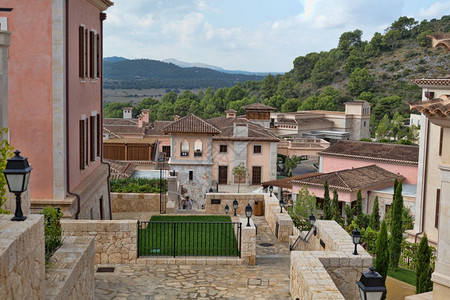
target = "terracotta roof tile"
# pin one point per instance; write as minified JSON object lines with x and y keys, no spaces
{"x":423,"y":81}
{"x":436,"y":107}
{"x":351,"y":180}
{"x":257,"y":106}
{"x":120,"y":121}
{"x":255,"y":132}
{"x":124,"y":129}
{"x":285,"y":182}
{"x":394,"y":153}
{"x":121,"y":169}
{"x":191,"y":124}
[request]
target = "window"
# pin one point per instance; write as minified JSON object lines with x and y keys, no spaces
{"x":364,"y":123}
{"x":94,"y":137}
{"x":441,"y":141}
{"x":223,"y":148}
{"x":166,"y":150}
{"x":93,"y":48}
{"x":191,"y":175}
{"x":257,"y":149}
{"x":198,"y":148}
{"x":99,"y":134}
{"x":438,"y":204}
{"x":83,"y":51}
{"x":184,"y":148}
{"x":83,"y":143}
{"x":101,"y":207}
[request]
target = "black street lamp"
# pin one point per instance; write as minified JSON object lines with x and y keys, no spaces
{"x":371,"y":286}
{"x":281,"y":202}
{"x":270,"y":190}
{"x":248,"y":213}
{"x":227,"y":209}
{"x":356,"y":236}
{"x":312,"y":221}
{"x":235,"y":206}
{"x":17,"y":174}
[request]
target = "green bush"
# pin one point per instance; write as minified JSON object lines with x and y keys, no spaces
{"x":52,"y":230}
{"x":137,"y":185}
{"x":369,"y":236}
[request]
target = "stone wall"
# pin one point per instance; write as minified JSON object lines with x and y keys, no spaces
{"x":115,"y":241}
{"x":133,"y":206}
{"x":22,"y":262}
{"x":70,"y":274}
{"x":280,"y":223}
{"x":333,"y":248}
{"x":248,"y":242}
{"x":227,"y":198}
{"x":386,"y":199}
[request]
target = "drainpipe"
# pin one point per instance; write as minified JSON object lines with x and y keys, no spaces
{"x":102,"y":18}
{"x":67,"y":117}
{"x":424,"y":184}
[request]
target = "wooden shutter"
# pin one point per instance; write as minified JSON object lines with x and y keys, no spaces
{"x":98,"y":56}
{"x":85,"y":71}
{"x":81,"y":51}
{"x":441,"y":140}
{"x":92,"y":56}
{"x":99,"y":134}
{"x":438,"y":204}
{"x":93,"y":132}
{"x":82,"y":162}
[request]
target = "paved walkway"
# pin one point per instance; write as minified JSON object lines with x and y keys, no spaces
{"x":269,"y":279}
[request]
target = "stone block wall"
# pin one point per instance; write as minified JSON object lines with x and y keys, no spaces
{"x":227,"y":198}
{"x":333,"y":248}
{"x":248,"y":242}
{"x":131,"y":202}
{"x":70,"y":274}
{"x":115,"y":241}
{"x":22,"y":262}
{"x":273,"y":217}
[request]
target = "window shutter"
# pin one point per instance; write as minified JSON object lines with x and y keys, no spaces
{"x":441,"y":140}
{"x":99,"y":134}
{"x":92,"y":55}
{"x":82,"y":162}
{"x":93,"y":141}
{"x":98,"y":56}
{"x":81,"y":50}
{"x":85,"y":53}
{"x":438,"y":204}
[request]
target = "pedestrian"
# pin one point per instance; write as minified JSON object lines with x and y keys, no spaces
{"x":188,"y":203}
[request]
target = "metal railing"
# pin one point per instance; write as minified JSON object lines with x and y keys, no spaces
{"x":166,"y":238}
{"x":303,"y":238}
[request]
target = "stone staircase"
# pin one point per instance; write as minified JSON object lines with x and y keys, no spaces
{"x":68,"y":205}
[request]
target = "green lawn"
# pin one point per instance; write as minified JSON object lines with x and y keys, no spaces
{"x":188,"y":236}
{"x":401,"y":274}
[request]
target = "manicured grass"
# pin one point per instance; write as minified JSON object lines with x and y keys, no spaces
{"x":404,"y":275}
{"x":188,"y":236}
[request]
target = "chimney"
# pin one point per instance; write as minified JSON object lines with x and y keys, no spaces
{"x":145,"y":115}
{"x":127,"y":112}
{"x":140,"y":121}
{"x":176,"y":118}
{"x":231,"y":113}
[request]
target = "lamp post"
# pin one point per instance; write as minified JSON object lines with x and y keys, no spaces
{"x":281,"y":202}
{"x":371,"y":286}
{"x":270,"y":190}
{"x":248,"y":213}
{"x":235,"y":206}
{"x":356,"y":237}
{"x":312,"y":221}
{"x":17,"y":174}
{"x":227,"y":209}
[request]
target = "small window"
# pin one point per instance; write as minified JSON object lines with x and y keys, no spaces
{"x":166,"y":150}
{"x":198,"y":148}
{"x":83,"y":144}
{"x":257,"y":149}
{"x":83,"y":51}
{"x":223,"y":148}
{"x":364,"y":123}
{"x":185,"y":148}
{"x":191,"y":175}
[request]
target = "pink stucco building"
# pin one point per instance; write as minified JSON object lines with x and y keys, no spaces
{"x":55,"y":102}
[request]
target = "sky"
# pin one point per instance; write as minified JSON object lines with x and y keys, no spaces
{"x":249,"y":35}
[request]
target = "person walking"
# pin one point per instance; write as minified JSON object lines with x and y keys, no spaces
{"x":188,"y":203}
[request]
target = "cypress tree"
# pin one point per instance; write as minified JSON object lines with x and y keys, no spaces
{"x":423,"y":267}
{"x":358,"y":210}
{"x":337,"y":214}
{"x":396,"y":227}
{"x":382,"y":252}
{"x":327,"y":215}
{"x":375,"y":217}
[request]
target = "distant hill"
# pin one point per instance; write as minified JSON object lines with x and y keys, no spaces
{"x":146,"y":74}
{"x":114,"y":59}
{"x":184,"y":64}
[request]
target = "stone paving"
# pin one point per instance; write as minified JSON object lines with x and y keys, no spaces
{"x":269,"y":279}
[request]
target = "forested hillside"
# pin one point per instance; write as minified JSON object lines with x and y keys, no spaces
{"x":153,"y":74}
{"x":378,"y":71}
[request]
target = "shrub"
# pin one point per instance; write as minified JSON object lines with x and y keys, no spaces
{"x":52,"y":230}
{"x":423,"y":267}
{"x":369,"y":236}
{"x":137,"y":185}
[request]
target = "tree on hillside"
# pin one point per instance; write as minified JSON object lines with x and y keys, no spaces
{"x":291,"y":105}
{"x":337,"y":215}
{"x":384,"y":128}
{"x":360,"y":81}
{"x":391,"y":38}
{"x":396,"y":226}
{"x":327,"y":215}
{"x":303,"y":66}
{"x":322,"y":73}
{"x":355,"y":60}
{"x":375,"y":216}
{"x":382,"y":252}
{"x":348,"y":41}
{"x":423,"y":267}
{"x":387,"y":105}
{"x":404,"y":25}
{"x":240,"y":172}
{"x":269,"y":86}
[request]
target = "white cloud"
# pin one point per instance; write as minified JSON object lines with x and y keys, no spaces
{"x":436,"y":10}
